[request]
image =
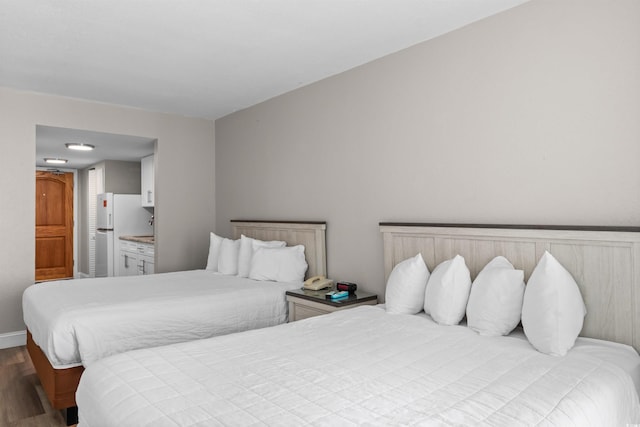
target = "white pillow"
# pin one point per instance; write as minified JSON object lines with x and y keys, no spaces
{"x":448,"y":291}
{"x":553,"y":310}
{"x":228,"y":258}
{"x":279,"y":264}
{"x":406,"y":286}
{"x":495,"y":301}
{"x":247,"y":246}
{"x":214,"y":251}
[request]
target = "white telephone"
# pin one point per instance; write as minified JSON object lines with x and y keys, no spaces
{"x":317,"y":282}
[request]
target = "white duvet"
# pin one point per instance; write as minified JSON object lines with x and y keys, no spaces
{"x":80,"y":321}
{"x":361,"y":367}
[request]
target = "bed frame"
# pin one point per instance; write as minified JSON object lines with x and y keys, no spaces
{"x":60,"y":384}
{"x":605,"y":262}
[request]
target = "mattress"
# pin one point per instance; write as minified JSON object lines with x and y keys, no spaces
{"x":361,"y":367}
{"x":80,"y":321}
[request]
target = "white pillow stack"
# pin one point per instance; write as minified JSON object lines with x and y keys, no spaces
{"x":553,"y":310}
{"x":236,"y":257}
{"x":214,"y":251}
{"x":550,"y":306}
{"x":406,"y":286}
{"x":228,"y":257}
{"x":495,"y":301}
{"x":448,"y":291}
{"x":286,"y":264}
{"x":248,"y":246}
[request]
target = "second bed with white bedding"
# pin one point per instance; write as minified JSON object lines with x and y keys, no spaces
{"x":362,"y":366}
{"x":80,"y":321}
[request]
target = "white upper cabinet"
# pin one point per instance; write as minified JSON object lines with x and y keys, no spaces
{"x":147,"y":182}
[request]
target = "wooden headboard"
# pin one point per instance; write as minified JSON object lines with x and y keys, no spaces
{"x":604,"y":261}
{"x":309,"y":234}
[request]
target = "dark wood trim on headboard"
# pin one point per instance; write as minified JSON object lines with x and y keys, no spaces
{"x":277,"y":222}
{"x":516,"y":226}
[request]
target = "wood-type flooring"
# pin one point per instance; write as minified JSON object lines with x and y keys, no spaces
{"x":22,"y":400}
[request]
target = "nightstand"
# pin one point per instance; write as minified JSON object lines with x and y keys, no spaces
{"x":304,"y":303}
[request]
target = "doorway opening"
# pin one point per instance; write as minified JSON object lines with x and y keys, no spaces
{"x":113,"y":152}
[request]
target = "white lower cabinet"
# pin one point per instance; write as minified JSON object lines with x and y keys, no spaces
{"x":145,"y":258}
{"x":128,"y":259}
{"x":136,"y":258}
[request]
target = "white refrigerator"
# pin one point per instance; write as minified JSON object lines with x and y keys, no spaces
{"x":117,"y":215}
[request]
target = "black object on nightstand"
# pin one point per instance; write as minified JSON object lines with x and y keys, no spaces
{"x":347,"y":286}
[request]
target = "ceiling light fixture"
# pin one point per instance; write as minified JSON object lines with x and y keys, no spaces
{"x":79,"y":146}
{"x":55,"y":161}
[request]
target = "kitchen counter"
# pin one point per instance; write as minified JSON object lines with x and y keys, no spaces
{"x":139,"y":239}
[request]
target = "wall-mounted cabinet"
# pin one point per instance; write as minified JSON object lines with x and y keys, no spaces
{"x":147,"y":182}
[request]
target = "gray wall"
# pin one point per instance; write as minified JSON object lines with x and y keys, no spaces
{"x":530,"y":116}
{"x":121,"y":177}
{"x":184,"y":183}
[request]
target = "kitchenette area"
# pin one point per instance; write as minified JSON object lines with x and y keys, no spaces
{"x":125,"y":242}
{"x":137,"y":253}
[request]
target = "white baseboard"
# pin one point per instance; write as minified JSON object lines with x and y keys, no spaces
{"x":13,"y":339}
{"x":81,"y":275}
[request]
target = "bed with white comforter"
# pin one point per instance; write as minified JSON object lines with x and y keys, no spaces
{"x":80,"y":321}
{"x":363,"y":367}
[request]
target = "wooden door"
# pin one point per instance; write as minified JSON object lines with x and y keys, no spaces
{"x":54,"y":225}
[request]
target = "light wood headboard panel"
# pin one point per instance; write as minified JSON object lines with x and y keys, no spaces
{"x":309,"y":234}
{"x":605,"y":262}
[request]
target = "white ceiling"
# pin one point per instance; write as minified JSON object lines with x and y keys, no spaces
{"x":208,"y":58}
{"x":50,"y":142}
